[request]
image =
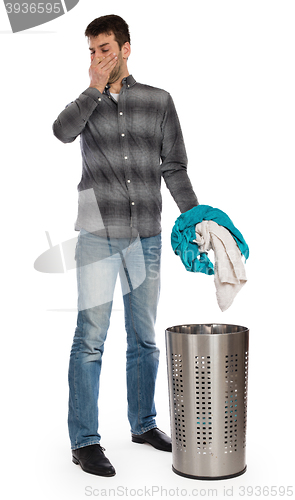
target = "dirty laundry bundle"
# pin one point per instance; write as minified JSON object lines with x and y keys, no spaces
{"x":204,"y":228}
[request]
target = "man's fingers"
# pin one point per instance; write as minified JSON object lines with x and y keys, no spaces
{"x":96,"y":61}
{"x":104,"y":61}
{"x":108,"y":61}
{"x":109,"y":66}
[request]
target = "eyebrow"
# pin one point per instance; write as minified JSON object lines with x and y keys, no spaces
{"x":100,"y":46}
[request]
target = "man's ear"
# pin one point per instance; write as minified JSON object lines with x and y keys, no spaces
{"x":126,"y":50}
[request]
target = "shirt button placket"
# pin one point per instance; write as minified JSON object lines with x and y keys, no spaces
{"x":124,"y":144}
{"x":123,"y":135}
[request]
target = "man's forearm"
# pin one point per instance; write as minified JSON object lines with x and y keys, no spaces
{"x":72,"y":120}
{"x":181,"y":189}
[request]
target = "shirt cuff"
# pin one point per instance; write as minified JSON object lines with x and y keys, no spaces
{"x":93,"y":93}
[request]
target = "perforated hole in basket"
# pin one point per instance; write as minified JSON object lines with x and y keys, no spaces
{"x":231,"y":404}
{"x":204,"y":414}
{"x":245,"y":397}
{"x":178,"y":402}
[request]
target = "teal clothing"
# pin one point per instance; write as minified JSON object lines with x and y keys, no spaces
{"x":183,"y":234}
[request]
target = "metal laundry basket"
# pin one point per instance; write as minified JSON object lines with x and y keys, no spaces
{"x":208,"y":379}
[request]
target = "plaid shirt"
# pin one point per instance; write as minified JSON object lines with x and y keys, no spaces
{"x":127,"y":146}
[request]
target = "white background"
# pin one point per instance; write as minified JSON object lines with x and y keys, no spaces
{"x":229,"y":66}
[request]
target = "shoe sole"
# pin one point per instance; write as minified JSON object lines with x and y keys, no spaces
{"x":139,"y":440}
{"x":110,"y":474}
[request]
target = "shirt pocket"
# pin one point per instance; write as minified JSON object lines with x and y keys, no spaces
{"x":143,"y":122}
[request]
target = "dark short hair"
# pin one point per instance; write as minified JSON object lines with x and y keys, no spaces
{"x":109,"y":24}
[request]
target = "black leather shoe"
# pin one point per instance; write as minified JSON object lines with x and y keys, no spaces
{"x":158,"y":439}
{"x":93,"y":460}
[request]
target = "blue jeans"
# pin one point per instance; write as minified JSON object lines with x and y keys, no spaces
{"x":99,"y":261}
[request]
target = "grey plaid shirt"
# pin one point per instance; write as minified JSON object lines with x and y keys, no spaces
{"x":127,"y":146}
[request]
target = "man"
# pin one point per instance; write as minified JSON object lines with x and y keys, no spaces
{"x":130,"y":137}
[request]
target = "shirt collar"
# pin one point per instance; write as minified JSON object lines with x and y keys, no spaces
{"x":128,"y":81}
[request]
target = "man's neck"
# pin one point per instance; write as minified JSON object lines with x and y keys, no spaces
{"x":116,"y":86}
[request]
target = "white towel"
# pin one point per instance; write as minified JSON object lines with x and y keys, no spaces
{"x":229,"y":270}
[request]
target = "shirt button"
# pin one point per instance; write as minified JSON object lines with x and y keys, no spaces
{"x":126,"y":157}
{"x":123,"y":135}
{"x":121,"y":113}
{"x":99,"y":98}
{"x":129,"y":181}
{"x":132,"y":203}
